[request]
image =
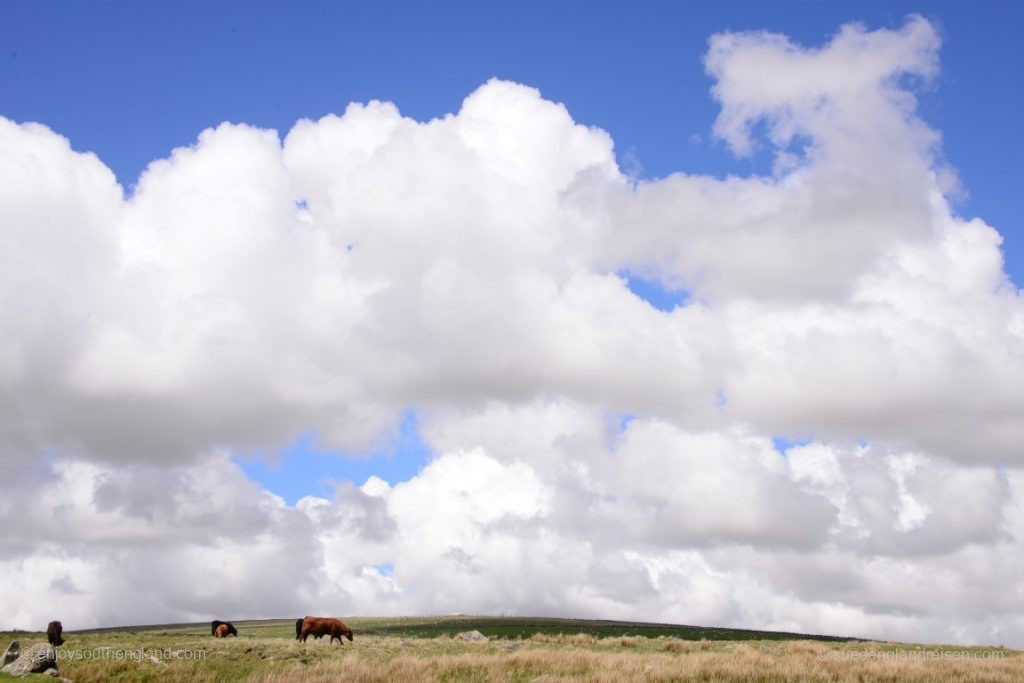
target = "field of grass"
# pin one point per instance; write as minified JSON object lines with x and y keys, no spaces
{"x":518,"y":649}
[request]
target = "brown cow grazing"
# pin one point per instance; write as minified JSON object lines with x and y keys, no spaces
{"x":215,"y":624}
{"x":222,"y":631}
{"x":324,"y":626}
{"x":298,"y":631}
{"x":53,"y":633}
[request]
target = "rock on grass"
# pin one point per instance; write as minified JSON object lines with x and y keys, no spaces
{"x":472,"y":636}
{"x":34,"y":660}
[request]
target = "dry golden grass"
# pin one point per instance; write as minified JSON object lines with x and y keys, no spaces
{"x":804,"y":647}
{"x":676,"y":645}
{"x":740,"y":663}
{"x":564,"y":638}
{"x":273,"y":657}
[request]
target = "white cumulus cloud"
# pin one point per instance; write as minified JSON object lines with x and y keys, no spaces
{"x":595,"y":456}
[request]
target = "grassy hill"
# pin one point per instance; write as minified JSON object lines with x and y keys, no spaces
{"x":494,"y":627}
{"x":518,"y":649}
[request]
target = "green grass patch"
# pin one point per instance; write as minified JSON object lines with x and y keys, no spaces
{"x":523,"y":627}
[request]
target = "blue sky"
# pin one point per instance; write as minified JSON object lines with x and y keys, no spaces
{"x":303,"y":469}
{"x":131,"y":81}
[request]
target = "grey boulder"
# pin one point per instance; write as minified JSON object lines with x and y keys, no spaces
{"x":34,"y":660}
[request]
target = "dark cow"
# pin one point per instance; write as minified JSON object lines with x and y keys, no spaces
{"x":53,"y":633}
{"x":324,"y":626}
{"x":216,"y":624}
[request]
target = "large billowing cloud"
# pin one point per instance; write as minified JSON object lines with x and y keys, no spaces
{"x":596,"y":456}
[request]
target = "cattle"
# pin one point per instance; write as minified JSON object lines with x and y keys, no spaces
{"x":222,"y":631}
{"x":215,"y":624}
{"x":324,"y":626}
{"x":53,"y":633}
{"x":298,"y":631}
